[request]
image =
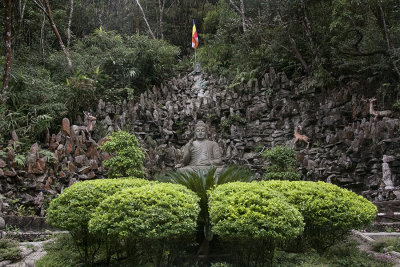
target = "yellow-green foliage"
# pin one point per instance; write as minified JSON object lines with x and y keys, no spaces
{"x":127,"y":157}
{"x":161,"y":211}
{"x":246,"y":211}
{"x":72,"y":209}
{"x":328,"y":210}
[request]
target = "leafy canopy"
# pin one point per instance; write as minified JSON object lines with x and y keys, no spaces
{"x":127,"y":159}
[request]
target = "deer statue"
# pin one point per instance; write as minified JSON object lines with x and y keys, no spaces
{"x":90,"y":121}
{"x":372,"y":111}
{"x":300,"y":137}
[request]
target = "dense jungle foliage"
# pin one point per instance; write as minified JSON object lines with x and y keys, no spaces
{"x":117,"y":49}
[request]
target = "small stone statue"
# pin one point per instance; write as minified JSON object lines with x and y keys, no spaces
{"x":201,"y":153}
{"x":387,"y":178}
{"x":90,"y":122}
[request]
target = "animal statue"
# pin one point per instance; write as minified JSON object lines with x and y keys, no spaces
{"x":90,"y":122}
{"x":376,"y":113}
{"x":299,"y":136}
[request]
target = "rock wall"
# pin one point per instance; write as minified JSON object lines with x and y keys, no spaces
{"x":64,"y":158}
{"x":347,"y":145}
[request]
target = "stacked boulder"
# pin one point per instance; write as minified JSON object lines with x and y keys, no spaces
{"x":64,"y":158}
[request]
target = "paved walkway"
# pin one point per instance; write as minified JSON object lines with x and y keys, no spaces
{"x":365,"y":240}
{"x":31,"y":251}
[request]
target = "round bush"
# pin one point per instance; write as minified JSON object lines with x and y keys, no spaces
{"x":72,"y":209}
{"x":246,"y":211}
{"x":127,"y":159}
{"x":159,"y":211}
{"x":328,"y":210}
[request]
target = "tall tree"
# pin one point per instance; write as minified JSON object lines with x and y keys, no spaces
{"x":241,"y":12}
{"x":145,"y":20}
{"x":71,"y":11}
{"x":22,"y":6}
{"x":161,"y":5}
{"x":44,"y":6}
{"x":7,"y":66}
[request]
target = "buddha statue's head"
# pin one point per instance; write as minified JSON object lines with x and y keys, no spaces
{"x":200,"y":131}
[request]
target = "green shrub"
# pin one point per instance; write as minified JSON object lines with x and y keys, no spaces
{"x":61,"y":252}
{"x":128,"y":156}
{"x":329,"y":212}
{"x":348,"y":253}
{"x":117,"y":64}
{"x":9,"y":250}
{"x":344,"y":253}
{"x":72,"y":209}
{"x":255,"y":218}
{"x":151,"y":216}
{"x":201,"y":181}
{"x":386,"y":244}
{"x":34,"y":103}
{"x":282,"y":164}
{"x":290,"y":176}
{"x":250,"y":211}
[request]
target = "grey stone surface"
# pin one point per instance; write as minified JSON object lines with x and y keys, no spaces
{"x":347,"y":145}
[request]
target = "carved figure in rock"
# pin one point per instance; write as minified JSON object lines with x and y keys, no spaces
{"x":298,"y":136}
{"x":90,"y":122}
{"x":376,"y":113}
{"x":200,"y":153}
{"x":387,"y":178}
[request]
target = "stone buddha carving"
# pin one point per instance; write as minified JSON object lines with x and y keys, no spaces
{"x":200,"y":153}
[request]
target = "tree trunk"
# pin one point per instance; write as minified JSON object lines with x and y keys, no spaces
{"x":294,"y":45}
{"x":385,"y":30}
{"x":145,"y":19}
{"x":297,"y":52}
{"x":241,"y":12}
{"x":22,"y":11}
{"x":387,"y":39}
{"x":137,"y":20}
{"x":307,"y":29}
{"x":243,"y":16}
{"x":70,"y":22}
{"x":42,"y":36}
{"x":161,"y":4}
{"x":7,"y":66}
{"x":47,"y":11}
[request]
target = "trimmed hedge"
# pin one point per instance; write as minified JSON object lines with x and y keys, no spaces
{"x":72,"y":211}
{"x":153,"y":223}
{"x":252,"y":211}
{"x":73,"y":208}
{"x":253,"y":220}
{"x":329,"y":211}
{"x":159,"y":211}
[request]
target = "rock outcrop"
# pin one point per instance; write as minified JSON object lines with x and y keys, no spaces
{"x":347,"y":145}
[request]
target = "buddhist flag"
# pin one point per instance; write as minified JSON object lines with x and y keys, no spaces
{"x":195,"y":38}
